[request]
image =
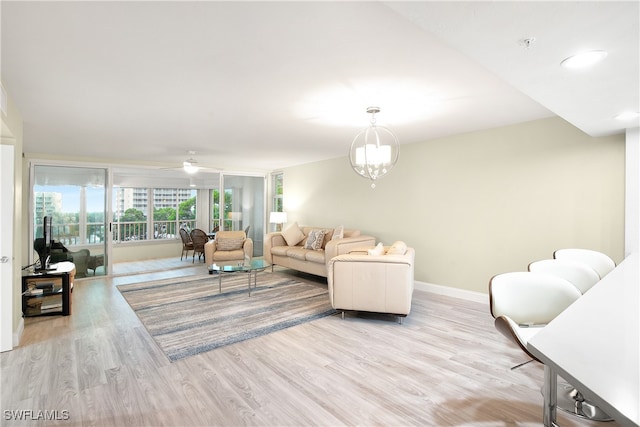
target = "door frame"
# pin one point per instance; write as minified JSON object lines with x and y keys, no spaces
{"x":7,"y":277}
{"x":33,"y":163}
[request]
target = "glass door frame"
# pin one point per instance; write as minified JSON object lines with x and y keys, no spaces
{"x":261,"y":229}
{"x":106,"y":246}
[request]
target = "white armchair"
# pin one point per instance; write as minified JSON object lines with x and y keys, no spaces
{"x":373,"y":283}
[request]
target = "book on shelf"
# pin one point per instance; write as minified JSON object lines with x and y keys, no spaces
{"x":51,"y":306}
{"x":50,"y":309}
{"x":45,"y":286}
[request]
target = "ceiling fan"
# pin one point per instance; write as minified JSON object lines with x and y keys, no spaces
{"x":190,"y":166}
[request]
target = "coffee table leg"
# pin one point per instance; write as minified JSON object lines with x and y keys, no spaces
{"x":249,"y":275}
{"x":219,"y":282}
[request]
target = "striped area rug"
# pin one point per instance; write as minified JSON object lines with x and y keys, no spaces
{"x":187,"y":316}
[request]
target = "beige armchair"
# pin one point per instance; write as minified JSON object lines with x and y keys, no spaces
{"x":374,"y":283}
{"x":228,"y":247}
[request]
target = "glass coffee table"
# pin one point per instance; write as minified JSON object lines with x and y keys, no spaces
{"x":252,"y":267}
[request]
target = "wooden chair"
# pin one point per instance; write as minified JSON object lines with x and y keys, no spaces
{"x":187,"y":244}
{"x":198,"y":238}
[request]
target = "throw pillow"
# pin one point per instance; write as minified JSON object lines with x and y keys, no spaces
{"x":338,"y":232}
{"x":378,"y":250}
{"x":315,"y":239}
{"x":229,"y":244}
{"x":398,"y":248}
{"x":293,"y":234}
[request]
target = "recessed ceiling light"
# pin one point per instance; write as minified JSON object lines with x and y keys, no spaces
{"x":584,"y":59}
{"x":628,"y":115}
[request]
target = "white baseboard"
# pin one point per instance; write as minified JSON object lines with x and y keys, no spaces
{"x":17,"y":335}
{"x":453,"y":292}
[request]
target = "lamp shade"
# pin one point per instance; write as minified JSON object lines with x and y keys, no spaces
{"x":278,"y":217}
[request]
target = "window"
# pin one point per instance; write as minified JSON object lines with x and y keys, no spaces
{"x":74,"y":197}
{"x":277,"y":186}
{"x":215,"y":210}
{"x":152,"y":213}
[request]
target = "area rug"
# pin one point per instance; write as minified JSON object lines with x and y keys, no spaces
{"x":187,"y":316}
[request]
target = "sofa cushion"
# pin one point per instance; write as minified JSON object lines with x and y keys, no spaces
{"x":229,"y":243}
{"x":315,"y":240}
{"x":338,"y":232}
{"x":280,"y":250}
{"x":229,"y":255}
{"x":298,"y":253}
{"x":378,"y":250}
{"x":315,"y":256}
{"x":398,"y":248}
{"x":328,"y":235}
{"x":293,"y":234}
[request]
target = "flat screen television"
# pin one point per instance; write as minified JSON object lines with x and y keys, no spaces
{"x":44,"y":250}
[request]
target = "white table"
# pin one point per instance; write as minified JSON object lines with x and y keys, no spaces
{"x":593,"y":345}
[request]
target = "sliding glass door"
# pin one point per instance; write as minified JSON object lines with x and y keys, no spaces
{"x":75,"y":199}
{"x":104,"y":215}
{"x":244,"y":204}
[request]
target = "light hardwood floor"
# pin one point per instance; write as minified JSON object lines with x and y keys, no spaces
{"x":445,"y":366}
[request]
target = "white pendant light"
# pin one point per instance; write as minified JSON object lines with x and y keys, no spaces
{"x":374,"y":151}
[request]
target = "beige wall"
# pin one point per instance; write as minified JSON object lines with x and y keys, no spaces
{"x":478,"y":204}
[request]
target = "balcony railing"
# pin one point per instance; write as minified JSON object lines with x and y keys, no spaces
{"x":69,"y":233}
{"x":124,"y":231}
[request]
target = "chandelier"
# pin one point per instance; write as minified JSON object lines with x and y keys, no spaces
{"x":374,"y":151}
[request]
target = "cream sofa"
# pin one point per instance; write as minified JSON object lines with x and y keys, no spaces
{"x":376,"y":283}
{"x":313,"y":261}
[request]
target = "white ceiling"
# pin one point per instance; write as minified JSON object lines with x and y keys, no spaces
{"x":265,"y":85}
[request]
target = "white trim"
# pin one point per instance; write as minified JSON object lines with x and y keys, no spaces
{"x":632,"y":192}
{"x":453,"y":292}
{"x":7,"y":268}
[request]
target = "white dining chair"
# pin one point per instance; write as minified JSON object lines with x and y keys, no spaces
{"x":599,"y":261}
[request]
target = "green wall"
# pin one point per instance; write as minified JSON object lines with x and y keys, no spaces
{"x":477,"y":204}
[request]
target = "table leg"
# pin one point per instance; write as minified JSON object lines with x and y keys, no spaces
{"x":550,"y":392}
{"x":220,"y":281}
{"x":249,"y":277}
{"x":66,"y":294}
